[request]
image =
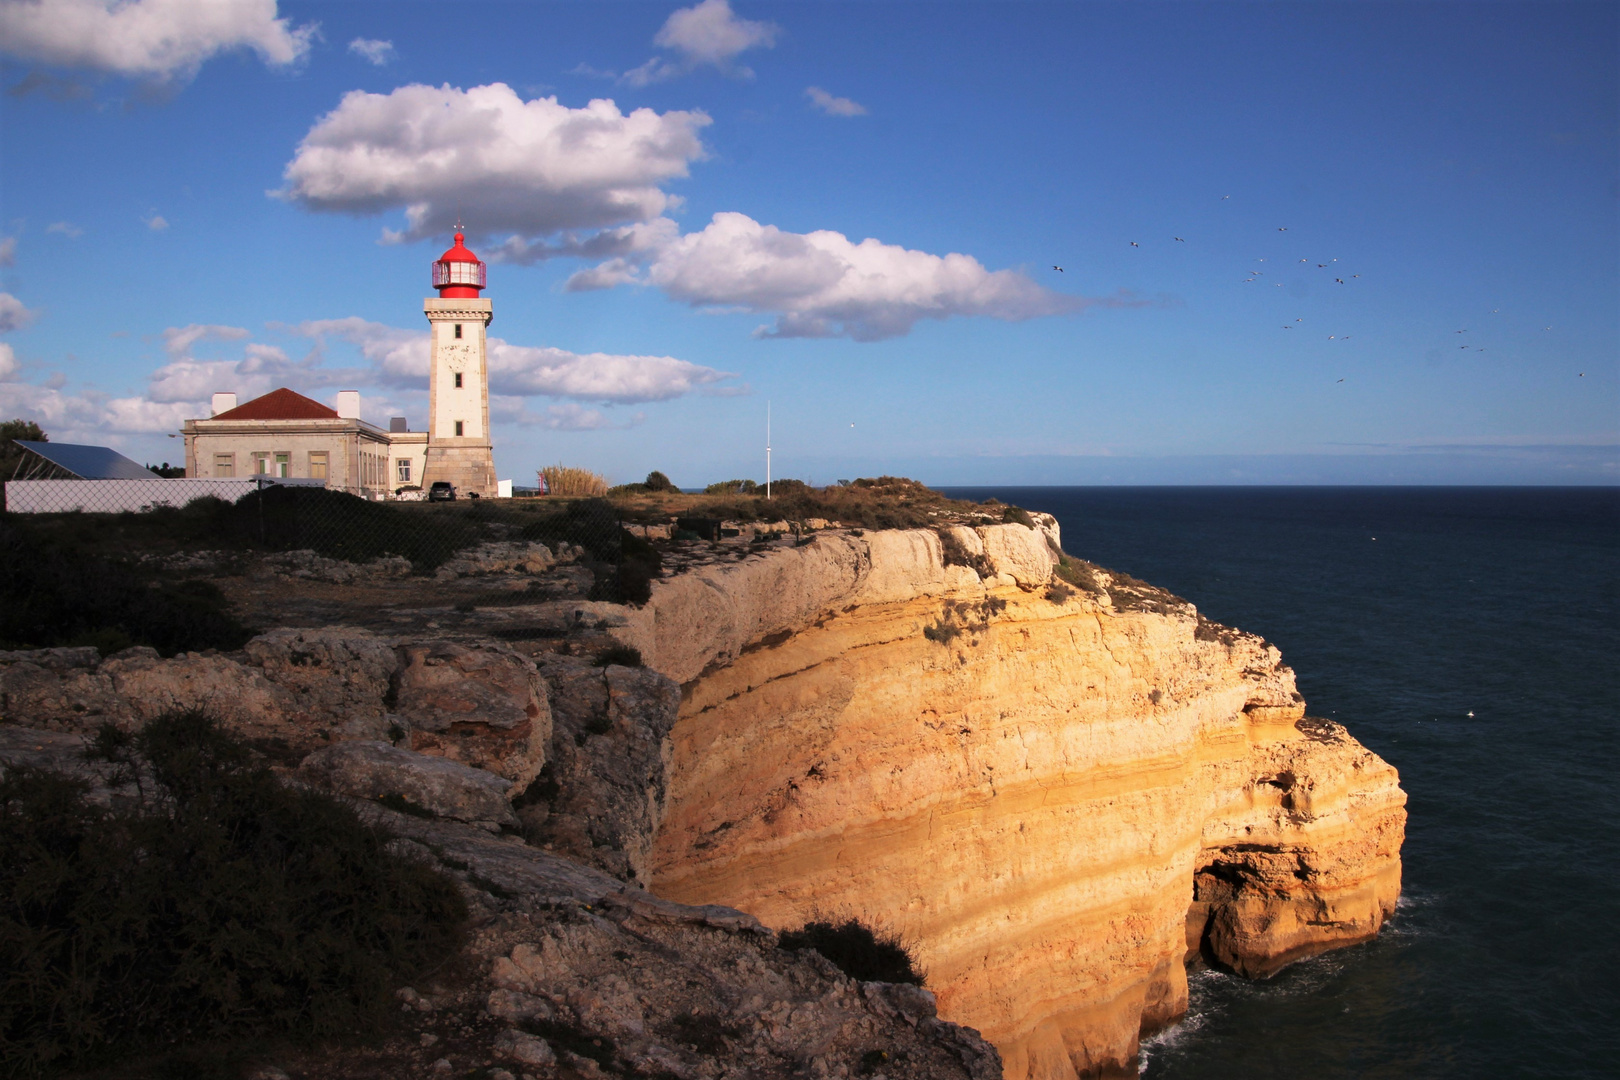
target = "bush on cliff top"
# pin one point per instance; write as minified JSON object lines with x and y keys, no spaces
{"x":55,"y":594}
{"x":220,"y":905}
{"x":857,"y":951}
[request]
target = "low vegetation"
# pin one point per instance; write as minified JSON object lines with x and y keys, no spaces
{"x":217,"y":905}
{"x":857,"y":950}
{"x":54,"y":593}
{"x":566,"y":480}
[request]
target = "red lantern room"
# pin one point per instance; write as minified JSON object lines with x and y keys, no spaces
{"x":458,"y":274}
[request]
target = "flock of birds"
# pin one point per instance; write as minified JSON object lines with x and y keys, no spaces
{"x":1255,"y":274}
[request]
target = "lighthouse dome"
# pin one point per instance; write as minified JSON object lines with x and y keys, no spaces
{"x":458,"y":273}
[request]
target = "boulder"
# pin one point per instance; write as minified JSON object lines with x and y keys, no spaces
{"x":499,"y":558}
{"x":337,"y":676}
{"x":446,"y":789}
{"x":485,"y":707}
{"x":1019,"y":553}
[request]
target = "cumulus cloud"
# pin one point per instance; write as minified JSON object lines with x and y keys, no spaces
{"x":8,"y":251}
{"x":161,"y":40}
{"x":609,"y":243}
{"x":8,"y":362}
{"x":401,"y":357}
{"x":821,"y":284}
{"x":372,"y":51}
{"x":833,"y":106}
{"x":178,"y":340}
{"x":14,"y":314}
{"x":535,"y":168}
{"x":65,"y":228}
{"x":156,"y":222}
{"x":704,"y":34}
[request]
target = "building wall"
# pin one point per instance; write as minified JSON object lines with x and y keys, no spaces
{"x":348,"y":454}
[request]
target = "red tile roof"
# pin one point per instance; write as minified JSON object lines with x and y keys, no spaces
{"x":280,"y":404}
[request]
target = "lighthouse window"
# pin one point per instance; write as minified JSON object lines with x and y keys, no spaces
{"x":458,"y":380}
{"x":458,"y":429}
{"x":458,"y":330}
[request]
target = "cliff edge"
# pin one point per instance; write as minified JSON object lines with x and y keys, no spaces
{"x":1059,"y":795}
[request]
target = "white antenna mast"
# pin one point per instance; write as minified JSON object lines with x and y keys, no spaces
{"x":767,"y":450}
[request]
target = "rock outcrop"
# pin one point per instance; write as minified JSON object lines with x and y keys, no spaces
{"x":415,"y":782}
{"x":297,"y":690}
{"x":1057,"y":795}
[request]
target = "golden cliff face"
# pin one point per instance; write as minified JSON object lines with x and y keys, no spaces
{"x":1058,"y":802}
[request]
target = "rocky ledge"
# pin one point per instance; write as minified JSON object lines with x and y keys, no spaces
{"x":1062,"y":787}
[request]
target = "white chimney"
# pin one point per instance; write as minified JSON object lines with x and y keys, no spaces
{"x":224,"y":401}
{"x":348,"y":406}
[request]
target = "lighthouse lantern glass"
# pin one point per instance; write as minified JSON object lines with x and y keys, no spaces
{"x":458,"y":273}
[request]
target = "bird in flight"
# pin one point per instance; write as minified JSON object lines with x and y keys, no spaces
{"x":1340,"y":280}
{"x":1462,"y":331}
{"x":1321,"y":266}
{"x":1341,"y":380}
{"x":1178,"y":239}
{"x":1226,"y":196}
{"x":1282,"y":228}
{"x":1059,"y":269}
{"x":1582,"y":375}
{"x":1330,"y":337}
{"x":1135,"y":244}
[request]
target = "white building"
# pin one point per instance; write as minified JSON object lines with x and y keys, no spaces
{"x":285,"y":434}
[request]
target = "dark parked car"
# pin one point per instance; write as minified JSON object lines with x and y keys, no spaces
{"x":441,"y":491}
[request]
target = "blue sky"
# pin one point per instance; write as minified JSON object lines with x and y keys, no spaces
{"x":851,"y":211}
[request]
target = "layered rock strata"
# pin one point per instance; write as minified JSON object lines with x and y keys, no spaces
{"x":1057,"y":796}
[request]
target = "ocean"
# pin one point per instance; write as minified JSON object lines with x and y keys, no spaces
{"x":1471,"y":637}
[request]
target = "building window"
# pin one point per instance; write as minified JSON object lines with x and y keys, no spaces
{"x":224,"y":464}
{"x":284,"y":464}
{"x":458,"y":380}
{"x":402,"y":470}
{"x":261,"y":463}
{"x":458,"y":330}
{"x":458,"y":429}
{"x":317,"y":464}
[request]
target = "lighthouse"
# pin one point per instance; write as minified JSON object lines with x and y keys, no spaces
{"x":458,"y":449}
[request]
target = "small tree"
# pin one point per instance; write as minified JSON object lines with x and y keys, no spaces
{"x":11,"y":454}
{"x":657,"y":481}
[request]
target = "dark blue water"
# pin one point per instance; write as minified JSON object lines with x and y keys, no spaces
{"x":1403,"y":610}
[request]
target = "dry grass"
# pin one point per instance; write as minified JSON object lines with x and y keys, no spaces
{"x":569,"y":481}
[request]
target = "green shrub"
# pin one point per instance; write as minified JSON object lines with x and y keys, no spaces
{"x":1018,"y":516}
{"x":733,"y":487}
{"x":53,"y":594}
{"x":857,"y":951}
{"x":219,"y":905}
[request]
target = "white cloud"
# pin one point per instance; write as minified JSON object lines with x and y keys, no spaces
{"x":14,"y":314}
{"x":178,"y":340}
{"x":565,"y":417}
{"x":373,"y":51}
{"x":531,"y":167}
{"x":8,"y":251}
{"x":704,"y":34}
{"x":156,"y":222}
{"x":153,"y":39}
{"x":8,"y":362}
{"x":822,"y":284}
{"x":643,"y":236}
{"x":401,"y":357}
{"x":66,"y":228}
{"x":833,"y":106}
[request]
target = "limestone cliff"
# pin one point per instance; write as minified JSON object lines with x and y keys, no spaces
{"x":1059,"y":796}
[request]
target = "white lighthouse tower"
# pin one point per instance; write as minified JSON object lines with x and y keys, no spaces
{"x":458,"y":447}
